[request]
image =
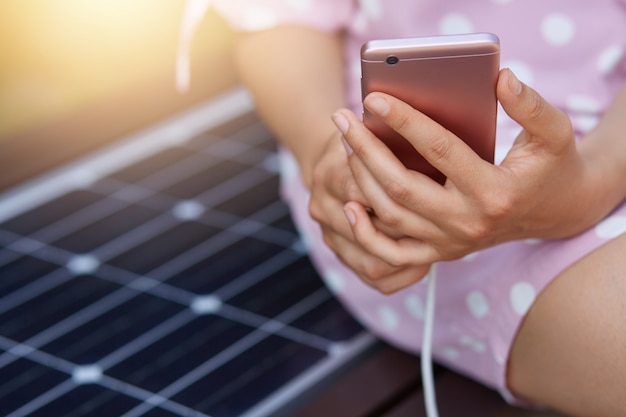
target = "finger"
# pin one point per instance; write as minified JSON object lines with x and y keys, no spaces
{"x":328,"y":213}
{"x":399,"y":280}
{"x":440,"y":147}
{"x":363,"y":264}
{"x":390,"y":215}
{"x":400,"y":252}
{"x":538,"y":117}
{"x":384,"y":166}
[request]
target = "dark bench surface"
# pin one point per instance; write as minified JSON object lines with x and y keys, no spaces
{"x":386,"y":383}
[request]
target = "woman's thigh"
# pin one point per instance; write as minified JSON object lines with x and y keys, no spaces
{"x":570,"y":352}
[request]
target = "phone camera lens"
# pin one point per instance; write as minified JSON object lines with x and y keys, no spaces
{"x":392,"y":60}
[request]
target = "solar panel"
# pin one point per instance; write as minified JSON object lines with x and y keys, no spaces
{"x":163,"y":277}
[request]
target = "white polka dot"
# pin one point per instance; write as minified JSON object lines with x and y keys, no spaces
{"x":454,"y":23}
{"x":521,"y":70}
{"x":585,"y":122}
{"x":87,"y":374}
{"x":415,"y":307}
{"x":388,"y":317}
{"x":299,"y":5}
{"x":257,"y":17}
{"x":477,"y":346}
{"x":500,"y":359}
{"x":83,"y":264}
{"x":206,"y":304}
{"x":522,"y":297}
{"x":372,"y":8}
{"x":582,"y":103}
{"x":360,"y":23}
{"x":558,"y":29}
{"x":609,"y":58}
{"x":477,"y":304}
{"x":611,"y":227}
{"x":187,"y":210}
{"x":334,"y":281}
{"x":450,"y":353}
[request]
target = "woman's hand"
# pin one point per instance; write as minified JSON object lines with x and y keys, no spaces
{"x":542,"y":189}
{"x":332,"y":186}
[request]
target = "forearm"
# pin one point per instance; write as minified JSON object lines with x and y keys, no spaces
{"x":295,"y":75}
{"x":604,"y":150}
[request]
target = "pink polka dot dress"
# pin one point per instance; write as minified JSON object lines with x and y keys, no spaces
{"x":573,"y":52}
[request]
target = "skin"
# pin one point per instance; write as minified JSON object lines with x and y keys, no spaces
{"x":375,"y":216}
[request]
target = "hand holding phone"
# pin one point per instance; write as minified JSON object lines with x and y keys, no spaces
{"x":451,"y":78}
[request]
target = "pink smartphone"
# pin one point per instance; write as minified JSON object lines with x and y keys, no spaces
{"x":450,"y":78}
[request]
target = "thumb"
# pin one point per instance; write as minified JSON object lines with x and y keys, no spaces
{"x":538,"y":117}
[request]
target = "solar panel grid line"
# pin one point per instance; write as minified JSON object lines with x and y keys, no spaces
{"x":171,"y":174}
{"x":130,"y":193}
{"x":78,"y":220}
{"x":161,"y":330}
{"x":280,"y":324}
{"x":6,"y":256}
{"x":258,"y":273}
{"x":77,"y":319}
{"x":134,"y":237}
{"x":213,"y":363}
{"x":232,"y":187}
{"x":309,"y":378}
{"x":34,"y":289}
{"x":162,"y":290}
{"x":22,"y":350}
{"x":23,"y":244}
{"x":43,"y":399}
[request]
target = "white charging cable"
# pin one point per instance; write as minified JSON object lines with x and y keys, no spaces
{"x":428,"y":382}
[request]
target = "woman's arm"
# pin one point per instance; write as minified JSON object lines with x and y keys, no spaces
{"x":604,"y":151}
{"x":295,"y":75}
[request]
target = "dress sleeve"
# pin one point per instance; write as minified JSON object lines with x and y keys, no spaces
{"x":256,"y":15}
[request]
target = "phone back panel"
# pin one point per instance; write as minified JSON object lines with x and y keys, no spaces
{"x":452,"y":79}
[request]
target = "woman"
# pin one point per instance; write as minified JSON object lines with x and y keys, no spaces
{"x":531,"y":271}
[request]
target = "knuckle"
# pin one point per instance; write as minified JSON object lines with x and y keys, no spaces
{"x":401,"y":121}
{"x":439,"y":148}
{"x":315,"y":210}
{"x":499,"y":205}
{"x":374,"y":270}
{"x":476,"y":231}
{"x":388,"y":218}
{"x":398,"y":191}
{"x":387,"y":288}
{"x":536,"y":107}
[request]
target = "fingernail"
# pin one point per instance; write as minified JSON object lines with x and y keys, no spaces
{"x":350,"y":216}
{"x":347,"y":146}
{"x":377,"y":105}
{"x":341,"y":122}
{"x":514,"y":84}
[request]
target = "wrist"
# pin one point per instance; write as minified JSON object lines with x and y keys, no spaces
{"x":309,"y":156}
